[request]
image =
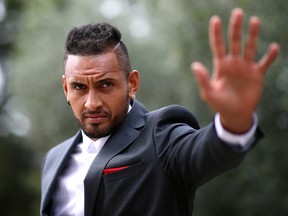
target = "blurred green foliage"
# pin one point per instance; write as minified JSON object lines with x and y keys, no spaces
{"x":19,"y":194}
{"x":163,"y":38}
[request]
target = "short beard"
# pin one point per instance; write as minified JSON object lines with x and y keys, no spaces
{"x":98,"y":132}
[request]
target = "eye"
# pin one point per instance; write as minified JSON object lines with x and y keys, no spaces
{"x":107,"y":84}
{"x":78,"y":86}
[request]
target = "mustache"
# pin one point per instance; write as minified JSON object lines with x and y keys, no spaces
{"x":97,"y":111}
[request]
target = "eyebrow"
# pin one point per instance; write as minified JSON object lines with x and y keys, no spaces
{"x":76,"y":81}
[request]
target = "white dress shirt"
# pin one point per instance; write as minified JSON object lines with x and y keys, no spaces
{"x":68,"y":199}
{"x":69,"y":196}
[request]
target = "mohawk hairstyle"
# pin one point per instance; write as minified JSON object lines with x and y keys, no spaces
{"x":97,"y":39}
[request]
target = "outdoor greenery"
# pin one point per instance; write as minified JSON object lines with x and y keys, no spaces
{"x":163,"y":38}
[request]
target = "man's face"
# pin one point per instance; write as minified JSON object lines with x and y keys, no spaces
{"x":99,"y":92}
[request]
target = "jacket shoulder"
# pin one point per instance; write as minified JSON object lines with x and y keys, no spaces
{"x":174,"y":114}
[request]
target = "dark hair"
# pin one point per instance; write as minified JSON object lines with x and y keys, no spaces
{"x":97,"y":39}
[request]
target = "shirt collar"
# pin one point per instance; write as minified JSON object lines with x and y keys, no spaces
{"x":86,"y":139}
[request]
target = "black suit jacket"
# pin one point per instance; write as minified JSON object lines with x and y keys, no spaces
{"x":168,"y":158}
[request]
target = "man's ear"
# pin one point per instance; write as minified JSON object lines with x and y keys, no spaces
{"x":65,"y":87}
{"x":134,"y":83}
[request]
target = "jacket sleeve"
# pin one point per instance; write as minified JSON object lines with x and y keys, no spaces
{"x":190,"y":155}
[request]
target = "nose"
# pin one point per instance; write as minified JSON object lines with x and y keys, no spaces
{"x":93,"y":100}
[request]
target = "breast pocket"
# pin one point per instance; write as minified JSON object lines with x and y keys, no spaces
{"x":131,"y":170}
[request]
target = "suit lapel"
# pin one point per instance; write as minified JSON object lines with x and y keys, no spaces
{"x":55,"y":165}
{"x":119,"y":140}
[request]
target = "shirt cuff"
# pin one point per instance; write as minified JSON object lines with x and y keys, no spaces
{"x":231,"y":138}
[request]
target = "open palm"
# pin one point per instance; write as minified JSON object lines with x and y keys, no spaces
{"x":236,"y":85}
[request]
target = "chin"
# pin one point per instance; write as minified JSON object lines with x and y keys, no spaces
{"x":98,"y":132}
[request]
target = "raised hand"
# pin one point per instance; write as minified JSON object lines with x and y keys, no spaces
{"x":235,"y":87}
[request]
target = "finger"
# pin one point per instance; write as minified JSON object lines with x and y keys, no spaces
{"x":216,"y":39}
{"x":202,"y":77}
{"x":251,"y":43}
{"x":235,"y":31}
{"x":269,"y":57}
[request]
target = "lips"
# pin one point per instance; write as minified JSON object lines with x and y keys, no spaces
{"x":96,"y":118}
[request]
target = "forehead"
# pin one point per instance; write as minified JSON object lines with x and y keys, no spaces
{"x":96,"y":65}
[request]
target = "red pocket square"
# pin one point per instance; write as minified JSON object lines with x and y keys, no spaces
{"x":112,"y":170}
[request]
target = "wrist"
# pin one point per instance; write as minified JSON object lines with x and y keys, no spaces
{"x":236,"y":124}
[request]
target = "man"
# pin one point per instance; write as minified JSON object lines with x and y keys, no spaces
{"x":128,"y":161}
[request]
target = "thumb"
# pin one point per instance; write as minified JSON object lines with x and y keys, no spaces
{"x":201,"y":74}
